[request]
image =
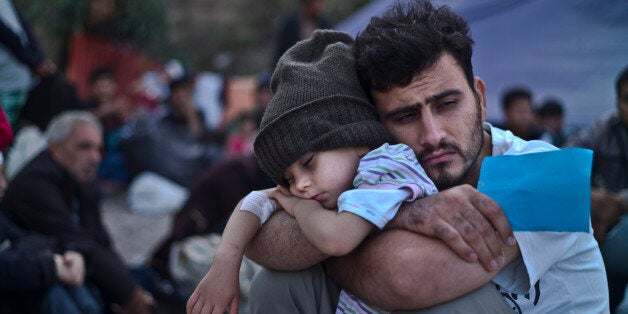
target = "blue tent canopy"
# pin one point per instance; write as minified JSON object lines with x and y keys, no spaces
{"x":570,"y":50}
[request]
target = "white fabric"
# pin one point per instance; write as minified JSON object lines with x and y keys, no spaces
{"x":258,"y":203}
{"x":376,"y":206}
{"x":558,"y":272}
{"x":8,"y":17}
{"x":14,"y":75}
{"x":28,"y":143}
{"x":208,"y":87}
{"x":154,"y":194}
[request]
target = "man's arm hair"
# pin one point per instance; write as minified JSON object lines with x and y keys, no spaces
{"x":470,"y":223}
{"x":422,"y":258}
{"x":281,"y":244}
{"x":401,"y":270}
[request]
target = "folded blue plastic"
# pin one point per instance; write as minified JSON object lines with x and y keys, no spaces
{"x":548,"y":191}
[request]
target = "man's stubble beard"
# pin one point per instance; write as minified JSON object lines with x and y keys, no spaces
{"x":470,"y":159}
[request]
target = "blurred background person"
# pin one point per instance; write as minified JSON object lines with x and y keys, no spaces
{"x":112,"y":110}
{"x":175,"y":145}
{"x":300,"y":25}
{"x":152,"y":88}
{"x":551,"y":118}
{"x":608,"y":138}
{"x":36,"y":279}
{"x":518,"y":113}
{"x":21,"y":58}
{"x":55,"y":194}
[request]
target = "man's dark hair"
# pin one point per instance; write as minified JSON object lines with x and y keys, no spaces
{"x":622,"y":79}
{"x":513,"y":94}
{"x":101,"y":73}
{"x":182,"y":82}
{"x":408,"y":39}
{"x":551,"y":108}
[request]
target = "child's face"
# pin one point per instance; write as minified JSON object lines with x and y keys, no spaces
{"x":324,"y":175}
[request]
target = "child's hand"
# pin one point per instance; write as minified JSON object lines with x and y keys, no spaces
{"x":288,"y":202}
{"x":218,"y":290}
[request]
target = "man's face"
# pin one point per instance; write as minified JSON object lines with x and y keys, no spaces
{"x":80,"y":154}
{"x":622,"y":104}
{"x":440,"y":118}
{"x":314,"y":8}
{"x":104,"y":89}
{"x":181,"y":100}
{"x":520,"y":116}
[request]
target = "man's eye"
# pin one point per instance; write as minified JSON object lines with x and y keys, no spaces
{"x":449,"y":103}
{"x":289,"y":179}
{"x":406,"y":117}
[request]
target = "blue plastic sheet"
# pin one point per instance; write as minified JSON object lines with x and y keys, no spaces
{"x":548,"y":191}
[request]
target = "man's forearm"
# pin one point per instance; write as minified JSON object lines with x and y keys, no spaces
{"x":464,"y":219}
{"x":280,"y":244}
{"x":397,"y":270}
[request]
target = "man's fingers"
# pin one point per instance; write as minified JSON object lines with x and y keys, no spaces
{"x":496,"y":217}
{"x":452,"y":238}
{"x":473,"y":238}
{"x":486,"y":238}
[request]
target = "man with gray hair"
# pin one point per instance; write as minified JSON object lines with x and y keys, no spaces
{"x":55,"y":194}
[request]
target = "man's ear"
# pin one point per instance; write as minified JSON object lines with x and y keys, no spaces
{"x":55,"y":150}
{"x":480,"y":91}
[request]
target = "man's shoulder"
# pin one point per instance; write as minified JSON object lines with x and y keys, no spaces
{"x":41,"y":167}
{"x":506,"y":143}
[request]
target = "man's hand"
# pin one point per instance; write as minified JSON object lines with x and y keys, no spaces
{"x":469,"y":222}
{"x":606,"y":209}
{"x":70,"y":268}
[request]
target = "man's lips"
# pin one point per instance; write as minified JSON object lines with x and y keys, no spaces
{"x":435,"y":158}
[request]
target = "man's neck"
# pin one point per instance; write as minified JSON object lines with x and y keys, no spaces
{"x":487,"y":150}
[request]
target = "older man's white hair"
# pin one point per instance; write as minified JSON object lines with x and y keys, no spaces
{"x":61,"y":126}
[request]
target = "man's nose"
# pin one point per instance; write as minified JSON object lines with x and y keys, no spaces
{"x":96,"y":155}
{"x":431,"y":129}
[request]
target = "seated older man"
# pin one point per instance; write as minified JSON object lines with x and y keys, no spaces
{"x":55,"y":194}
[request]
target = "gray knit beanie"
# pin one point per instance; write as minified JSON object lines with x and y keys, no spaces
{"x":318,"y":104}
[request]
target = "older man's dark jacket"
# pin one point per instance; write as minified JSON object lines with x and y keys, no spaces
{"x":44,"y":198}
{"x":27,"y":268}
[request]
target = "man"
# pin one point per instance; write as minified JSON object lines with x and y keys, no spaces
{"x":55,"y":194}
{"x":174,"y":146}
{"x":416,"y":64}
{"x":608,"y":138}
{"x":300,"y":25}
{"x":519,"y":114}
{"x":33,"y":279}
{"x":111,"y":111}
{"x":551,"y":116}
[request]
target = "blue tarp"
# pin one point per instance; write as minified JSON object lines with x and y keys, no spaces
{"x":572,"y":50}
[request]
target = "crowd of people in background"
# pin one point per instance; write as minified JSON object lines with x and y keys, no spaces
{"x":71,"y":146}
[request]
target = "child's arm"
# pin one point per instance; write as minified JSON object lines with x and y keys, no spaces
{"x":333,"y":233}
{"x":219,"y":289}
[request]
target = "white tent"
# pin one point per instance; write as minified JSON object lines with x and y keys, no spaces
{"x":572,"y":50}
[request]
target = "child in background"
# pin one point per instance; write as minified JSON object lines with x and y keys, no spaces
{"x":316,"y":141}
